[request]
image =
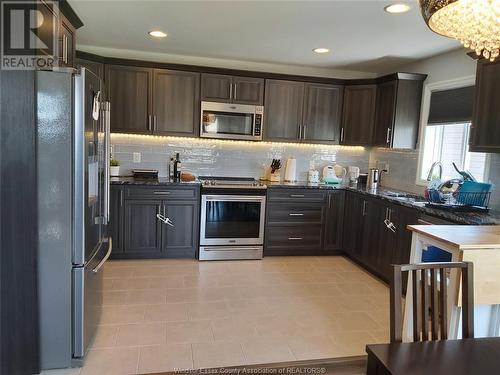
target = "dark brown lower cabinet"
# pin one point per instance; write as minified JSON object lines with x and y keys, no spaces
{"x":368,"y":237}
{"x":333,"y":222}
{"x":138,"y":233}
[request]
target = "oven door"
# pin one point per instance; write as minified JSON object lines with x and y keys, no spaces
{"x":229,"y":121}
{"x":232,"y":220}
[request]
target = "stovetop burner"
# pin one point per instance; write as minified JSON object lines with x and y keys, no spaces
{"x":231,"y":182}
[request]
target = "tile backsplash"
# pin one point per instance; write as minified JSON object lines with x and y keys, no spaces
{"x":228,"y":158}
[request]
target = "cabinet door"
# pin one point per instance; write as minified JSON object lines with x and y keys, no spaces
{"x":66,"y":43}
{"x":115,"y":225}
{"x":216,"y":88}
{"x":248,"y":90}
{"x":322,"y":113}
{"x":387,"y":243}
{"x":142,"y":229}
{"x":283,"y":110}
{"x":353,"y":226}
{"x":129,"y":91}
{"x":181,"y":239}
{"x":385,"y":112}
{"x":359,"y":115}
{"x":176,"y":102}
{"x":485,"y":130}
{"x":333,"y":222}
{"x":373,"y":229}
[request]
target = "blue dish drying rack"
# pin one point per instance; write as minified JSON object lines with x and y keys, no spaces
{"x":471,"y":196}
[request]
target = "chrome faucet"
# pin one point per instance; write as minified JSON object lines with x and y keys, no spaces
{"x":431,"y":171}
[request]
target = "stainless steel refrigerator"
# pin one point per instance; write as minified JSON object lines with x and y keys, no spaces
{"x":73,"y":187}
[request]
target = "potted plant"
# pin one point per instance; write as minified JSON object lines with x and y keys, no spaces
{"x":114,"y":168}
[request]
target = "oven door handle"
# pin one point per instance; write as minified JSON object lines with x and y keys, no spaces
{"x":234,"y":198}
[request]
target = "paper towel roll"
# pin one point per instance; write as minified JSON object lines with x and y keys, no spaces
{"x":291,"y":170}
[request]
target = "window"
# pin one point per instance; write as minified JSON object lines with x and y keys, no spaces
{"x":447,"y":144}
{"x":445,"y":133}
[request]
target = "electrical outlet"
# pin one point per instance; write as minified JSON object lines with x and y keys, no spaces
{"x":137,"y":157}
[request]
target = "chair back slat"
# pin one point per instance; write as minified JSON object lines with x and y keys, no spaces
{"x":416,"y":316}
{"x":430,"y":300}
{"x":434,"y":305}
{"x":443,"y":304}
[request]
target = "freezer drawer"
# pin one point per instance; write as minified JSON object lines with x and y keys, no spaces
{"x":87,"y":299}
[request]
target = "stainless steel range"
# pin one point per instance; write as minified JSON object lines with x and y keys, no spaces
{"x":232,"y":218}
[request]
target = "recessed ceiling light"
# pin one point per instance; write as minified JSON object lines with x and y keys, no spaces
{"x":157,"y":34}
{"x":321,"y":50}
{"x":397,"y":8}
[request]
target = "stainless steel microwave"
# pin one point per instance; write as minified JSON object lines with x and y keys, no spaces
{"x":231,"y":121}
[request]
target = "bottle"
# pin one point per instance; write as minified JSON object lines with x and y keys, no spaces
{"x":177,"y":167}
{"x":171,"y":169}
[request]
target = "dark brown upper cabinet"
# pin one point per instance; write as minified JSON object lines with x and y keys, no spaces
{"x":302,"y":112}
{"x":397,"y":114}
{"x":358,"y":115}
{"x":153,"y":101}
{"x":176,"y":102}
{"x":322,"y":113}
{"x":129,"y":90}
{"x":485,"y":130}
{"x":232,"y":89}
{"x":283,"y":110}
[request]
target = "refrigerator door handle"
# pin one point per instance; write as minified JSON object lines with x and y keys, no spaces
{"x":107,"y":148}
{"x":108,"y":254}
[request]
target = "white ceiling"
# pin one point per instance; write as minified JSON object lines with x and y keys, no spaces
{"x":360,"y":35}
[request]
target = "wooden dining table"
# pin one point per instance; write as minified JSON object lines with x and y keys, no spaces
{"x":480,"y":356}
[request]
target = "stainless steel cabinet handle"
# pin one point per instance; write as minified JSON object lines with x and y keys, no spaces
{"x":121,"y":198}
{"x":364,"y":208}
{"x":154,"y":123}
{"x":295,"y":214}
{"x":108,"y":254}
{"x":296,"y":195}
{"x":295,"y":238}
{"x":231,"y":90}
{"x":300,"y":131}
{"x":235,"y":91}
{"x":149,"y":122}
{"x":341,"y":134}
{"x":161,"y":192}
{"x":388,"y":136}
{"x":304,"y":131}
{"x":386,"y":214}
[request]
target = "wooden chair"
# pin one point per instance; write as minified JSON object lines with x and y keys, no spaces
{"x":430,"y":300}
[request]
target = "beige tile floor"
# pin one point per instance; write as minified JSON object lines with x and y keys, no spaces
{"x":161,"y":315}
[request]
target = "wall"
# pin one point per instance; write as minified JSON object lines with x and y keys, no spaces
{"x":403,"y":164}
{"x":228,"y":158}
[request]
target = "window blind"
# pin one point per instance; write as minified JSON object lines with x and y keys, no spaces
{"x":451,"y":106}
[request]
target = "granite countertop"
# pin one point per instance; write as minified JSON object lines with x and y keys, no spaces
{"x":150,"y":182}
{"x":415,"y":202}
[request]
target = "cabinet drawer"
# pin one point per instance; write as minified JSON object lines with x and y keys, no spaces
{"x":160,"y":192}
{"x":294,"y":236}
{"x":297,"y":195}
{"x":299,"y":212}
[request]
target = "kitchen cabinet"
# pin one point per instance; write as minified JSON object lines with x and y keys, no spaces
{"x":142,"y":229}
{"x":138,"y":233}
{"x":295,"y":222}
{"x":176,"y":102}
{"x":283,"y":110}
{"x":485,"y":128}
{"x":302,"y":112}
{"x":153,"y":101}
{"x":115,"y":225}
{"x":322,"y":113}
{"x":129,"y":91}
{"x":333,"y":222}
{"x":358,"y":115}
{"x":232,"y":89}
{"x":397,"y":115}
{"x":353,"y":225}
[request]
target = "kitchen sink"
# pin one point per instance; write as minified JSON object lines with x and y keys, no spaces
{"x":406,"y":197}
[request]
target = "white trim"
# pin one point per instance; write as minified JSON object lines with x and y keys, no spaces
{"x":424,"y":113}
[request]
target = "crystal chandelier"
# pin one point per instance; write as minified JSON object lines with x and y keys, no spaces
{"x":475,"y":23}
